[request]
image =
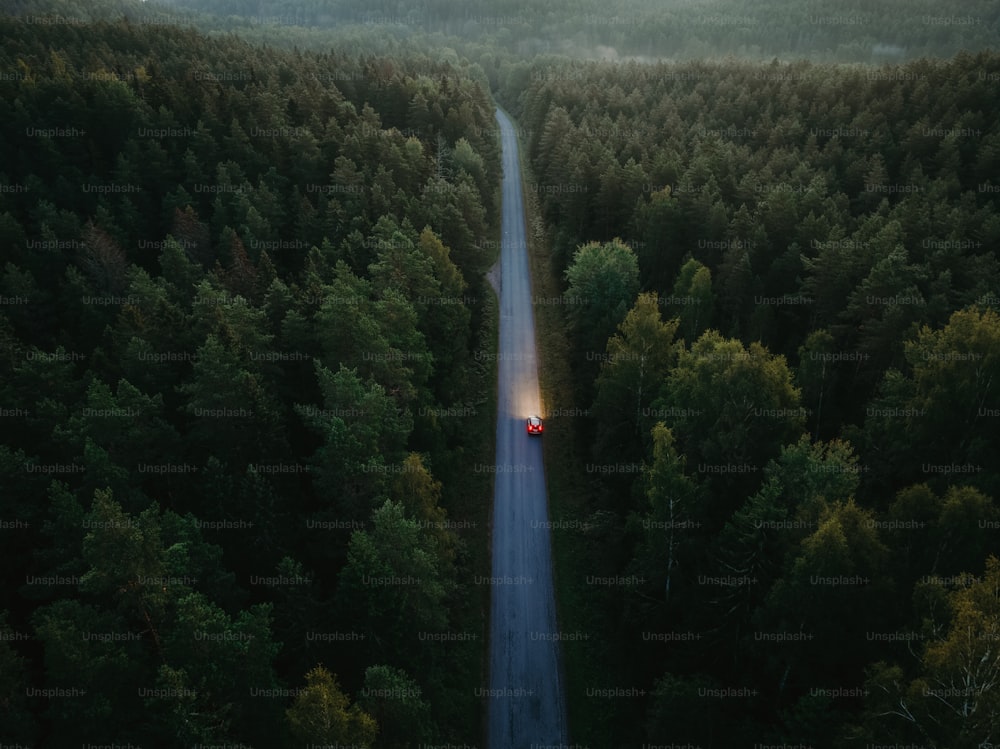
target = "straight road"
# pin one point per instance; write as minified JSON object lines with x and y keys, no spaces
{"x":527,"y":705}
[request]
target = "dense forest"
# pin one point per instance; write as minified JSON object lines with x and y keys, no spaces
{"x":246,"y":369}
{"x":652,"y":29}
{"x":242,"y":295}
{"x":646,"y":30}
{"x":780,"y":292}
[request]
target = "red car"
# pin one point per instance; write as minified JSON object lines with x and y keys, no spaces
{"x":535,"y":425}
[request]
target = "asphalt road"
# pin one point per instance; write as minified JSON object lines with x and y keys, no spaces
{"x":527,"y":704}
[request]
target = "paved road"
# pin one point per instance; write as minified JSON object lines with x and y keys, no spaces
{"x":527,"y":704}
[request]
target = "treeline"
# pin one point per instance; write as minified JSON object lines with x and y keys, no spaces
{"x":780,"y":291}
{"x":853,"y":31}
{"x":241,"y":292}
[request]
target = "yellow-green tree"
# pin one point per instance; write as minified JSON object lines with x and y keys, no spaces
{"x":323,"y":714}
{"x":953,"y":700}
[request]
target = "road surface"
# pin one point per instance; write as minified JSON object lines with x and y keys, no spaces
{"x":527,"y":706}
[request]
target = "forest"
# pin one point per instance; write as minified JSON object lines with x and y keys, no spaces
{"x":850,"y":31}
{"x":247,"y":367}
{"x":242,"y":299}
{"x":780,"y":294}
